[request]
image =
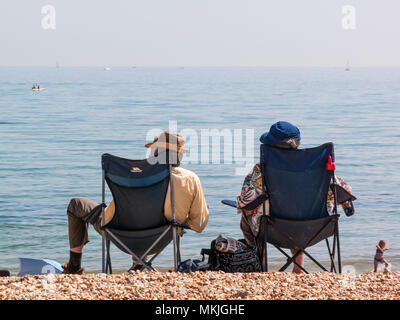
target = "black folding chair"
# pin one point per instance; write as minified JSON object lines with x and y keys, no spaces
{"x":296,"y":183}
{"x":138,"y":227}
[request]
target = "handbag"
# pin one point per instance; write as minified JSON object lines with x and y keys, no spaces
{"x":245,"y":259}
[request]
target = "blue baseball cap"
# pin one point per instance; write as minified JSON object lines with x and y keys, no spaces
{"x":279,"y":132}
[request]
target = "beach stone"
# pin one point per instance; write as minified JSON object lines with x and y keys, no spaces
{"x":203,"y":285}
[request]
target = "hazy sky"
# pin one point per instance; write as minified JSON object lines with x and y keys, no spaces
{"x":200,"y":33}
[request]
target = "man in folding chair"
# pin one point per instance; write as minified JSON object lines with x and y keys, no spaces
{"x":251,"y":200}
{"x":190,"y":206}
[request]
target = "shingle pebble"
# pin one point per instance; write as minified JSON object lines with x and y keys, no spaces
{"x":203,"y":285}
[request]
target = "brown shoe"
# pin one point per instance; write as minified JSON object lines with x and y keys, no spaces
{"x":67,"y":269}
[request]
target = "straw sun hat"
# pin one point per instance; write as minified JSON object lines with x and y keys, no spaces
{"x":168,"y":141}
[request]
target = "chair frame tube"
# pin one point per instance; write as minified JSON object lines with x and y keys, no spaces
{"x":264,"y":262}
{"x":127,"y":249}
{"x":103,"y":233}
{"x":174,"y":227}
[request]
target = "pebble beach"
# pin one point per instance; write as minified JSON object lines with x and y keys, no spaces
{"x":203,"y":286}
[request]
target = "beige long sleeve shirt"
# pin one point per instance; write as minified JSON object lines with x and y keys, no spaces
{"x":189,"y":201}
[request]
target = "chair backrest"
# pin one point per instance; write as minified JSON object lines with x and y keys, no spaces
{"x":297,"y":181}
{"x":138,"y":188}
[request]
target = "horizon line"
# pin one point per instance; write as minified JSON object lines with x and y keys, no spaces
{"x":194,"y":66}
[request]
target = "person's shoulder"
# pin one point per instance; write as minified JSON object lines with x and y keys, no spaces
{"x":185,"y":173}
{"x":256,"y":169}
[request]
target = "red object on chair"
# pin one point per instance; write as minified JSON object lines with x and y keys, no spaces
{"x":330,"y":165}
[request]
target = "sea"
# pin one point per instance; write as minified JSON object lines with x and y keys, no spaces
{"x":51,"y":142}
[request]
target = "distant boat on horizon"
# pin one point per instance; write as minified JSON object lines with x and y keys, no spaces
{"x":57,"y":65}
{"x":107,"y":68}
{"x":347,"y":66}
{"x":37,"y":87}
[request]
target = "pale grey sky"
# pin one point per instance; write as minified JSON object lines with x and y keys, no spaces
{"x":200,"y":33}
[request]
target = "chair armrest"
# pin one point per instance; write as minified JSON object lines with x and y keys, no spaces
{"x":181,"y":225}
{"x":256,"y":202}
{"x":250,"y":206}
{"x":230,"y":203}
{"x":342,"y":194}
{"x":93,"y":215}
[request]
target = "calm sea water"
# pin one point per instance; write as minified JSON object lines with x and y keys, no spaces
{"x":51,"y":143}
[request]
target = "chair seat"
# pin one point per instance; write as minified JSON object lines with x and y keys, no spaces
{"x":292,"y":234}
{"x":140,"y":240}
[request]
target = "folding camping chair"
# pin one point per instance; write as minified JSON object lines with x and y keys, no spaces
{"x":296,"y":183}
{"x":138,"y":228}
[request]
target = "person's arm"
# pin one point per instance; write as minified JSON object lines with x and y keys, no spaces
{"x":343,"y":184}
{"x":198,"y":215}
{"x":109,"y":212}
{"x":251,"y":189}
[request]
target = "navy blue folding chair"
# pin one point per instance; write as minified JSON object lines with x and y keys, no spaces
{"x":138,"y":227}
{"x":296,"y":183}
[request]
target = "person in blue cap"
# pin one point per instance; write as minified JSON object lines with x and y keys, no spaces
{"x":285,"y":135}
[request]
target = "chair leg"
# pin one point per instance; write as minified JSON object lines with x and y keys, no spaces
{"x":146,"y":264}
{"x":103,"y":253}
{"x":103,"y":234}
{"x":106,"y":260}
{"x":127,"y":249}
{"x":108,"y":263}
{"x":142,"y":260}
{"x":175,"y":235}
{"x":315,"y":261}
{"x":264,"y":255}
{"x":179,"y":250}
{"x":179,"y":259}
{"x":291,"y":260}
{"x":331,"y":255}
{"x":338,"y":247}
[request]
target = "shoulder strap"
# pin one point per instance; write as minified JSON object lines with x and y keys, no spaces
{"x":256,"y":202}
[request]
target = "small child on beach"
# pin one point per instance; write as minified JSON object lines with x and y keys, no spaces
{"x":380,"y":249}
